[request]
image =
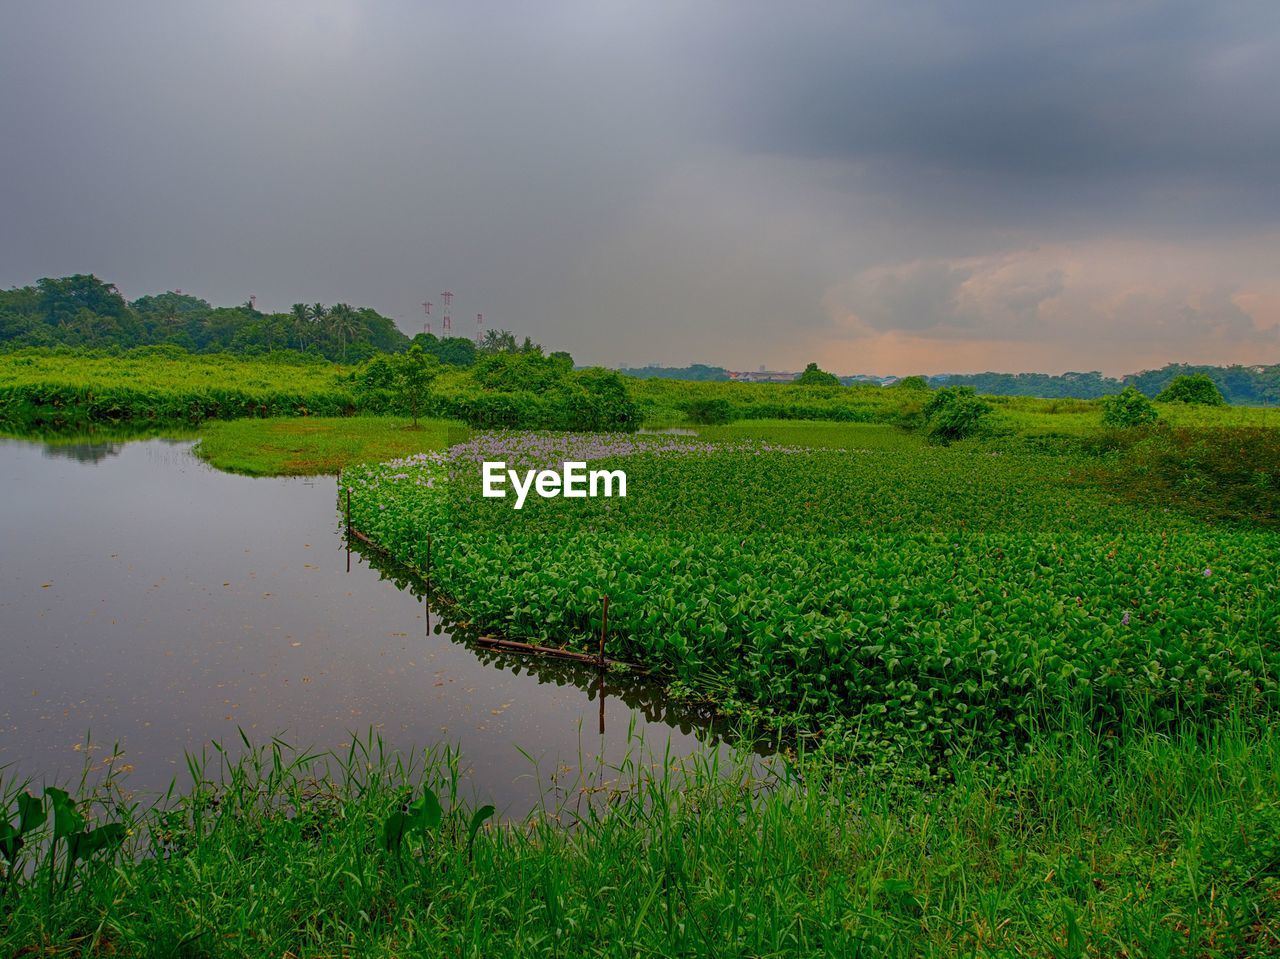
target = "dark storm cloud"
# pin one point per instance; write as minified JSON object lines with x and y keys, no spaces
{"x":1023,"y":108}
{"x":732,"y":182}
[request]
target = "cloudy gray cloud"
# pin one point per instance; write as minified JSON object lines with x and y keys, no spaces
{"x":1026,"y":110}
{"x":731,"y":182}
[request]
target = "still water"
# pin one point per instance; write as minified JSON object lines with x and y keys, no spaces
{"x":150,"y":600}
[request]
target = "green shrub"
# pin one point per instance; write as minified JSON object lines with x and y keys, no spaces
{"x":812,"y":376}
{"x":1196,"y":388}
{"x":955,"y":413}
{"x":1225,"y":473}
{"x":509,"y":372}
{"x":596,"y":400}
{"x":911,"y":383}
{"x":1127,"y":409}
{"x":709,"y":412}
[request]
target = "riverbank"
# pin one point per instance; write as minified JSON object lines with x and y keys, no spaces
{"x":307,"y":446}
{"x":1117,"y":843}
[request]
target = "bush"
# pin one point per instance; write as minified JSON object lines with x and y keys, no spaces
{"x":955,"y":413}
{"x":1127,"y":409}
{"x":1222,"y":473}
{"x":911,"y":383}
{"x":709,"y":412}
{"x":1197,"y":389}
{"x":509,"y":372}
{"x":812,"y":376}
{"x":513,"y":391}
{"x":596,"y":400}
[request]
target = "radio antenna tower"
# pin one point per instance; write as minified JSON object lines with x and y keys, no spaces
{"x":446,"y":321}
{"x":479,"y":328}
{"x":426,"y":323}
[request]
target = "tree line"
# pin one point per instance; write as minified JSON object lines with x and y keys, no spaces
{"x":1239,"y":385}
{"x":84,"y":311}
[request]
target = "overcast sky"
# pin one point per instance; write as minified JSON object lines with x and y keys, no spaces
{"x":891,"y":187}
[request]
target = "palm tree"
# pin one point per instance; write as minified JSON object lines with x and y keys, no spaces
{"x":498,"y":341}
{"x":344,"y":324}
{"x":301,"y":323}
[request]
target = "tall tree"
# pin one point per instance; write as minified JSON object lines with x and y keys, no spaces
{"x":345,"y":325}
{"x":301,"y":317}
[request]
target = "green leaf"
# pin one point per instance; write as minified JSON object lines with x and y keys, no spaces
{"x":31,"y":813}
{"x":67,"y":820}
{"x":477,"y":820}
{"x":10,"y":842}
{"x":425,"y":813}
{"x":104,"y":837}
{"x":393,"y":830}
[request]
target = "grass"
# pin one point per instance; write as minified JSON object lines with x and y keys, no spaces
{"x":45,"y":391}
{"x":303,"y":446}
{"x":1030,"y":416}
{"x":1091,"y":845}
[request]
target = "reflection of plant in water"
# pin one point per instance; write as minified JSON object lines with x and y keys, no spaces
{"x":658,"y":704}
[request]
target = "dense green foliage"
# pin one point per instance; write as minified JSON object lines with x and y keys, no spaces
{"x":1197,"y":388}
{"x":528,"y":390}
{"x":43,"y":390}
{"x":1127,"y":409}
{"x":669,"y":401}
{"x":1223,"y":473}
{"x":1246,"y":385}
{"x":708,"y":412}
{"x":696,"y":372}
{"x":813,"y":376}
{"x":817,"y":434}
{"x":1098,"y":845}
{"x":397,"y":382}
{"x":955,"y":413}
{"x":51,"y":390}
{"x":84,"y":311}
{"x":65,"y":389}
{"x":934,"y":595}
{"x":912,"y":383}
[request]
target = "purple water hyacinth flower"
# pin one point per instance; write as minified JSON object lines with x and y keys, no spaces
{"x":1124,"y":620}
{"x":532,"y":450}
{"x":1207,"y":571}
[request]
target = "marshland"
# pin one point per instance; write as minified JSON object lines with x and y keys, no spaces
{"x":898,"y":690}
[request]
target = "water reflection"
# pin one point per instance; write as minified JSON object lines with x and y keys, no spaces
{"x":149,"y":599}
{"x":84,"y":452}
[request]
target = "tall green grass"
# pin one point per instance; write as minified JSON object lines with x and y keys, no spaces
{"x":42,"y":390}
{"x":1100,"y":845}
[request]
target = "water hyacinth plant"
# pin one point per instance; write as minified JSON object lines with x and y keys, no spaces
{"x":937,"y":595}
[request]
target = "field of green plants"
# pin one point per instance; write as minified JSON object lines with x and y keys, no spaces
{"x":61,"y":391}
{"x":65,"y":391}
{"x":909,"y":598}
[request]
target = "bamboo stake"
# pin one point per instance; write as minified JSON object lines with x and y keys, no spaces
{"x":604,"y":627}
{"x":510,"y":645}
